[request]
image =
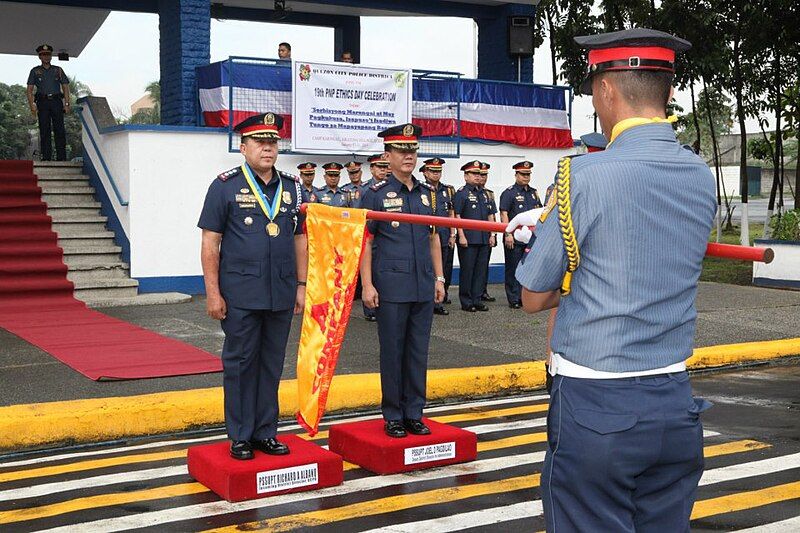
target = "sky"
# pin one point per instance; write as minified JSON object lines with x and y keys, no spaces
{"x":122,"y":57}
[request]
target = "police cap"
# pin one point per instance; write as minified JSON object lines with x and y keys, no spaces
{"x":333,"y":168}
{"x":353,"y":166}
{"x":594,"y":141}
{"x":434,"y":164}
{"x":523,"y":167}
{"x":44,"y":48}
{"x":472,"y":166}
{"x":377,"y":160}
{"x":263,"y":126}
{"x":485,"y":168}
{"x":307,"y":168}
{"x":402,"y":137}
{"x":632,"y":49}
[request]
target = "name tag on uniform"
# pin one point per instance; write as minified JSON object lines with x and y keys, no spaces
{"x":246,"y":206}
{"x":472,"y":198}
{"x":392,"y":202}
{"x":246,"y":198}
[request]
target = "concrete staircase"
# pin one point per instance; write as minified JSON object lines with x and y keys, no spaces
{"x":94,"y":266}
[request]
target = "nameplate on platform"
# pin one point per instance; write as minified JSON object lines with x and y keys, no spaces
{"x":431,"y":452}
{"x":287,"y":478}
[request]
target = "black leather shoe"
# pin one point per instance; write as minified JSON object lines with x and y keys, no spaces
{"x":482,"y":307}
{"x":394,"y":428}
{"x":271,"y":447}
{"x":487,"y":298}
{"x":468,"y":309}
{"x":440,"y":311}
{"x":515,"y":305}
{"x":416,"y":427}
{"x":242,"y":450}
{"x":370,"y":319}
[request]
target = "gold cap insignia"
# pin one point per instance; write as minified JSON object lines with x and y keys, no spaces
{"x":269,"y":119}
{"x":527,"y":164}
{"x":408,"y":130}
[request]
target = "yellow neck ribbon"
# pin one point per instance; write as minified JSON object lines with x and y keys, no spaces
{"x":269,"y":210}
{"x":632,"y":122}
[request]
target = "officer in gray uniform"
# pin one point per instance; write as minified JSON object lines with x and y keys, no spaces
{"x":624,"y":282}
{"x":254,"y":258}
{"x":402,"y":277}
{"x":432,"y":170}
{"x":330,"y":193}
{"x":49,"y":103}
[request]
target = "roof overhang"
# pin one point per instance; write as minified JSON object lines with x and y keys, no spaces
{"x":25,"y":26}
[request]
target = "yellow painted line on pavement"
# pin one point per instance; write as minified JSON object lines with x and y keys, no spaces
{"x":746,"y":500}
{"x":510,"y":442}
{"x":745,"y":352}
{"x":102,"y":500}
{"x":92,"y":464}
{"x":387,"y":505}
{"x":736,"y":446}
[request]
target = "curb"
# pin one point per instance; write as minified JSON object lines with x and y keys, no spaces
{"x":68,"y":422}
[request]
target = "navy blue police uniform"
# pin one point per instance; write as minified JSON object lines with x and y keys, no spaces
{"x":374,"y":161}
{"x":626,"y":315}
{"x":472,"y":202}
{"x":355,"y":191}
{"x":444,"y":207}
{"x":49,"y":98}
{"x":514,"y":200}
{"x":403,"y":275}
{"x":332,"y":196}
{"x":307,"y":169}
{"x":258,"y":281}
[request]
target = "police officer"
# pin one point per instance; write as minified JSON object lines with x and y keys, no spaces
{"x":514,"y":200}
{"x":624,"y":282}
{"x":254,"y":264}
{"x":472,"y":202}
{"x":308,"y":171}
{"x":357,"y":187}
{"x":378,"y":168}
{"x":49,"y":103}
{"x":485,"y":296}
{"x":402,"y":277}
{"x":330,"y":193}
{"x":432,"y":170}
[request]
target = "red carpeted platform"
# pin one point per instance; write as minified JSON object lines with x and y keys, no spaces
{"x":365,"y":444}
{"x":37,"y":303}
{"x":307,"y":467}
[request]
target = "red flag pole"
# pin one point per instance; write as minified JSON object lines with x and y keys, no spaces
{"x":725,"y":251}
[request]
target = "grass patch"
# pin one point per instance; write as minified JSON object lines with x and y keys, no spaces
{"x":727,"y":270}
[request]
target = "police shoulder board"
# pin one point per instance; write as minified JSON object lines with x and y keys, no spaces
{"x":378,"y":185}
{"x":228,"y":174}
{"x":288,"y":176}
{"x":427,"y":185}
{"x":298,"y":194}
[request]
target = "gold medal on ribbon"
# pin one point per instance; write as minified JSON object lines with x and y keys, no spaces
{"x":273,"y":230}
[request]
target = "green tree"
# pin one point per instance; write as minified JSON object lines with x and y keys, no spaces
{"x":72,"y":122}
{"x":722,"y":117}
{"x":16,"y":122}
{"x":149,"y":116}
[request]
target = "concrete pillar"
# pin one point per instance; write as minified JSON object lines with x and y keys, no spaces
{"x":347,"y":36}
{"x":494,"y":62}
{"x":185,"y":43}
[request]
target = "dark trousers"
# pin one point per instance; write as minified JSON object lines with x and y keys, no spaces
{"x":252,"y":364}
{"x":485,"y":289}
{"x":447,"y":266}
{"x":472,"y":273}
{"x":513,"y":257}
{"x":623,"y":455}
{"x":404,"y":331}
{"x":52,"y":112}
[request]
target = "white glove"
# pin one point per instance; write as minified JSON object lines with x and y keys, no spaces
{"x":519,"y":225}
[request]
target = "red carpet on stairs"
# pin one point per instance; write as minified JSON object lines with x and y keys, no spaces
{"x":37,"y":302}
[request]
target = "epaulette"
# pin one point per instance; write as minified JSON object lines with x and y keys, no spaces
{"x":450,"y":188}
{"x":459,"y":189}
{"x":228,"y":174}
{"x":376,"y":186}
{"x":428,"y":185}
{"x":289,"y":176}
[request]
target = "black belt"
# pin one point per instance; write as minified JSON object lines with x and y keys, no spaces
{"x":41,"y":96}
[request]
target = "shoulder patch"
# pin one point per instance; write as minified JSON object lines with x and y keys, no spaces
{"x":376,"y":186}
{"x":288,"y":176}
{"x":228,"y":174}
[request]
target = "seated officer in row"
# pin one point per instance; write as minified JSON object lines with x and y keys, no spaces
{"x":308,"y":171}
{"x":254,"y":257}
{"x":357,"y":187}
{"x":378,"y":168}
{"x":402,"y":277}
{"x":516,"y":199}
{"x":330,"y":193}
{"x":432,"y":170}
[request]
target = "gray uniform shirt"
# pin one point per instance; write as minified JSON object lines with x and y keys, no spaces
{"x":642,"y":212}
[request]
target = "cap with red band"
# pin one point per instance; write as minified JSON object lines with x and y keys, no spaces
{"x":633,"y":49}
{"x":472,"y":166}
{"x":263,"y":126}
{"x":402,"y":137}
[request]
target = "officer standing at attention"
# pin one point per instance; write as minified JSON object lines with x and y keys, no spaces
{"x":432,"y":170}
{"x":356,"y":188}
{"x":402,"y":277}
{"x":254,"y":257}
{"x":471,"y":202}
{"x":625,"y":283}
{"x":516,"y":199}
{"x":378,"y":168}
{"x":308,"y":171}
{"x":485,"y":297}
{"x":49,"y":103}
{"x":330,"y":193}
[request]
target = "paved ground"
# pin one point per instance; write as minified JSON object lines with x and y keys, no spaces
{"x":727,"y":314}
{"x":752,"y":476}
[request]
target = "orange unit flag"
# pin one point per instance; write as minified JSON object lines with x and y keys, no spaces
{"x":335,"y":242}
